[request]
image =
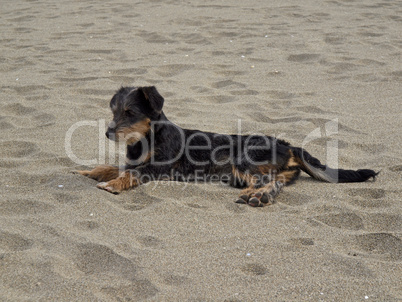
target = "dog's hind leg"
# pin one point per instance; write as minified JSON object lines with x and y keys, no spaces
{"x":263,"y":192}
{"x":101,"y":173}
{"x":266,"y":192}
{"x":266,"y":183}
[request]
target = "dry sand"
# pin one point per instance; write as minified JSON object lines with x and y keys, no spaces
{"x":284,"y":68}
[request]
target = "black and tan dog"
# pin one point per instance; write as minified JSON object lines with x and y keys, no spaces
{"x":159,"y":150}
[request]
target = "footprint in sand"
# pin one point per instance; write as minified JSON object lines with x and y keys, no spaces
{"x":18,"y":115}
{"x":100,"y":260}
{"x":201,"y":89}
{"x":363,"y":202}
{"x":133,"y":200}
{"x":302,"y":241}
{"x":334,"y":39}
{"x":254,"y":269}
{"x":95,"y":92}
{"x":229,"y":73}
{"x":348,"y":221}
{"x":150,"y":241}
{"x":384,"y":246}
{"x":227,"y":83}
{"x":384,"y":222}
{"x":30,"y":89}
{"x":129,"y":71}
{"x":367,"y":193}
{"x":244,"y":92}
{"x":303,"y":58}
{"x":31,"y":93}
{"x":397,"y":168}
{"x":18,"y":109}
{"x":192,"y":39}
{"x":278,"y":94}
{"x":218,"y":99}
{"x":92,"y":258}
{"x":11,"y":242}
{"x":172,"y":70}
{"x":18,"y":149}
{"x":5,"y":125}
{"x":126,"y":75}
{"x":313,"y":109}
{"x":153,"y":37}
{"x":342,"y":68}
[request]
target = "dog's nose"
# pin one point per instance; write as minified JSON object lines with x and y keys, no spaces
{"x":107,"y":134}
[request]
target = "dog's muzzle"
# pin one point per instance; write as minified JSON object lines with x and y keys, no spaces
{"x":111,"y":131}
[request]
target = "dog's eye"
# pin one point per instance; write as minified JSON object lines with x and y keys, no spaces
{"x":129,"y":112}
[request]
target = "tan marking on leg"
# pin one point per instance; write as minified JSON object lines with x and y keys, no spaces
{"x":269,"y":188}
{"x":291,"y":170}
{"x":287,"y":176}
{"x":292,"y":162}
{"x":101,"y":173}
{"x":267,"y":169}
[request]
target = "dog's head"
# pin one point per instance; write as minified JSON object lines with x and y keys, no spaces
{"x":134,"y":108}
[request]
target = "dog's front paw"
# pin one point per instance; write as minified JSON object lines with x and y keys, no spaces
{"x":109,"y":186}
{"x":124,"y":182}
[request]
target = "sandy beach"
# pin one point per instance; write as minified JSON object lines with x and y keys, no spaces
{"x":285,"y":69}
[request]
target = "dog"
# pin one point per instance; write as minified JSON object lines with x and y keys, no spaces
{"x":157,"y":149}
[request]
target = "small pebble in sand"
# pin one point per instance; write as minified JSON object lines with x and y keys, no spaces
{"x":248,"y":254}
{"x":91,"y":214}
{"x":60,"y":186}
{"x":366,"y":297}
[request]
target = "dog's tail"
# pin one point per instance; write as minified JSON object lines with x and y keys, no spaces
{"x":313,"y":167}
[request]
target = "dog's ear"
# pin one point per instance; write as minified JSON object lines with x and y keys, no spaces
{"x":154,"y":98}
